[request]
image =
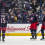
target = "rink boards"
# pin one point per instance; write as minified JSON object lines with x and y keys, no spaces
{"x":20,"y":30}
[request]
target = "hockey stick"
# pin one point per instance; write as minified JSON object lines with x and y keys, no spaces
{"x":38,"y":32}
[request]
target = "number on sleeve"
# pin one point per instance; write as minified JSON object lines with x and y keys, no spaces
{"x":3,"y":20}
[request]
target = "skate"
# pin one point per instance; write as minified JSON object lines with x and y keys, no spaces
{"x":35,"y":37}
{"x":32,"y":37}
{"x":42,"y":38}
{"x":3,"y":39}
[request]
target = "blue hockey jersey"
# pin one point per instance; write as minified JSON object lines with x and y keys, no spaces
{"x":3,"y":20}
{"x":34,"y":18}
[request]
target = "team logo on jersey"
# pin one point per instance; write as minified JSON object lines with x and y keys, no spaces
{"x":32,"y":18}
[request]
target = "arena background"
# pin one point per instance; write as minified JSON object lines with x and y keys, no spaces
{"x":20,"y":27}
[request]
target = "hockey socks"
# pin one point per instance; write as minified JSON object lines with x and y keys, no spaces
{"x":3,"y":35}
{"x":42,"y":32}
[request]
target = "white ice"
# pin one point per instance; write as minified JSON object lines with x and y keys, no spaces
{"x":22,"y":40}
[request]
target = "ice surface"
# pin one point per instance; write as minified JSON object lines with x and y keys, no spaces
{"x":22,"y":40}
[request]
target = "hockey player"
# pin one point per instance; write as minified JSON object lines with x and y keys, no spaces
{"x":3,"y":23}
{"x":34,"y":22}
{"x":43,"y":24}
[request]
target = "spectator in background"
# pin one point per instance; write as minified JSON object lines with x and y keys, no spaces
{"x":19,"y":17}
{"x":34,"y":5}
{"x":1,"y":5}
{"x":30,"y":12}
{"x":18,"y":12}
{"x":11,"y":15}
{"x":38,"y":8}
{"x":8,"y":5}
{"x":43,"y":5}
{"x":25,"y":17}
{"x":27,"y":6}
{"x":15,"y":10}
{"x":9,"y":11}
{"x":14,"y":4}
{"x":15,"y":18}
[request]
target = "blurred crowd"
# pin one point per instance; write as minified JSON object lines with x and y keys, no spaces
{"x":22,"y":15}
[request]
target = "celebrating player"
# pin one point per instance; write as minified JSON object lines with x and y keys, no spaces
{"x":3,"y":23}
{"x":43,"y":24}
{"x":34,"y":22}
